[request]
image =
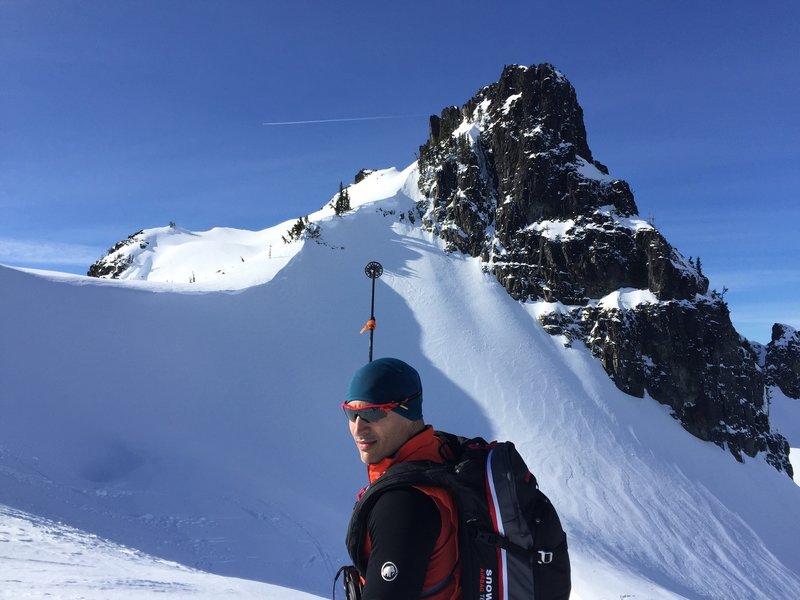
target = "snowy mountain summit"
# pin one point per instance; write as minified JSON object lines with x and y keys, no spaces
{"x":509,"y":177}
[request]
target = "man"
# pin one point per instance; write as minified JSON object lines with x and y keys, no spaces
{"x":411,"y":548}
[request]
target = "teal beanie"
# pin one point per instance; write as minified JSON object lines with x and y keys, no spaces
{"x":388,"y":380}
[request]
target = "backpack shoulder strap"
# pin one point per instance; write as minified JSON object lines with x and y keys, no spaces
{"x":399,"y":476}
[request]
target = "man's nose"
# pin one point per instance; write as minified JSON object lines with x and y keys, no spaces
{"x":361,"y":424}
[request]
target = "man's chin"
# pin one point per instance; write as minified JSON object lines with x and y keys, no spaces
{"x":369,"y":457}
{"x":366,"y":450}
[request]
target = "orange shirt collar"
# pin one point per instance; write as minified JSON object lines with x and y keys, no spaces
{"x":422,"y":446}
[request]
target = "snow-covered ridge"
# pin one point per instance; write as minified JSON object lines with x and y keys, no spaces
{"x":234,"y":259}
{"x":211,"y":259}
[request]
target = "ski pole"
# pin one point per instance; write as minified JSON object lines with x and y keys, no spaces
{"x":373,"y":270}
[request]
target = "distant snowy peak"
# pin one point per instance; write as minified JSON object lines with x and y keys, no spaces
{"x":509,"y":177}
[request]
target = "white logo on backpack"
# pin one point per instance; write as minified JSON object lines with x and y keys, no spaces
{"x":389,"y":571}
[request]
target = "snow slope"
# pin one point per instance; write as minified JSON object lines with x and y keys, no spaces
{"x":204,"y":428}
{"x":45,"y":559}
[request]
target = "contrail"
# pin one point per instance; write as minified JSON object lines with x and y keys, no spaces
{"x":340,"y":120}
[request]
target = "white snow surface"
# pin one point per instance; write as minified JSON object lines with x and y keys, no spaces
{"x":208,"y":260}
{"x":204,"y":428}
{"x":590,"y":171}
{"x":552,"y":229}
{"x":52,"y":560}
{"x":509,"y":101}
{"x":627,"y":298}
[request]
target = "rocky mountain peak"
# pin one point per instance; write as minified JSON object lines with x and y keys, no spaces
{"x":509,"y":177}
{"x":538,"y":102}
{"x":510,"y":174}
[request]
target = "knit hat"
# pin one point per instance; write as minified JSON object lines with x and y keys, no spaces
{"x":388,"y":380}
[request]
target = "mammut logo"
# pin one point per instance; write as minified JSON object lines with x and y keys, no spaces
{"x":389,"y":571}
{"x":486,"y":585}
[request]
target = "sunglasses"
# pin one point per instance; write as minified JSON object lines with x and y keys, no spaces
{"x":370,"y":413}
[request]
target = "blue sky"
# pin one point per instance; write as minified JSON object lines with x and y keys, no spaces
{"x":122,"y":115}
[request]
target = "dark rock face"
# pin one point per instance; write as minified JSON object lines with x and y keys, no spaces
{"x":510,"y":178}
{"x":782,"y":360}
{"x":117,"y":261}
{"x":362,"y":175}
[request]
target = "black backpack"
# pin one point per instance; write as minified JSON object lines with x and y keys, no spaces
{"x":511,"y":543}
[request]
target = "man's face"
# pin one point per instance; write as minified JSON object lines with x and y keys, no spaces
{"x":382,"y":438}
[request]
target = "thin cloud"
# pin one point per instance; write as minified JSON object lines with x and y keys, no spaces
{"x":36,"y":252}
{"x":756,"y":278}
{"x":345,"y":120}
{"x":754,"y":319}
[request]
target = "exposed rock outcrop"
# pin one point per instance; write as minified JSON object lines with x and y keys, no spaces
{"x":118,"y":259}
{"x":782,"y":360}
